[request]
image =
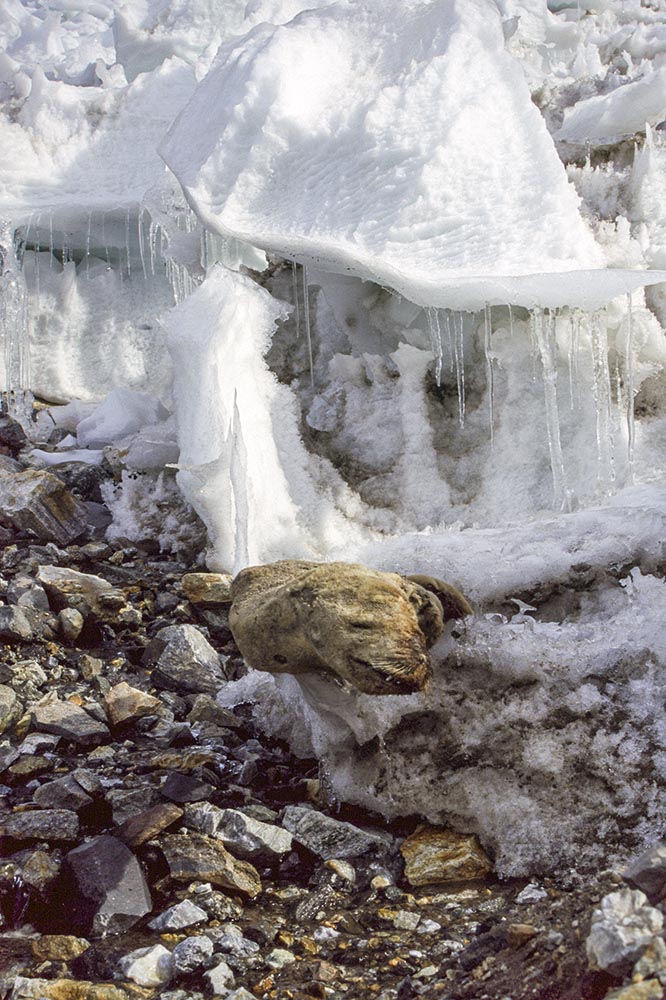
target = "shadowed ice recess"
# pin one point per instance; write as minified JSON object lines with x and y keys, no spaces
{"x":379,"y":282}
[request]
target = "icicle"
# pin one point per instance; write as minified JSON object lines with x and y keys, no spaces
{"x":629,"y":385}
{"x":14,"y":330}
{"x":459,"y":351}
{"x":601,"y":388}
{"x":152,"y":243}
{"x":487,"y":317}
{"x":510,"y":320}
{"x":449,"y":338}
{"x":570,"y":360}
{"x":127,"y":243}
{"x":142,"y":250}
{"x":294,"y":289}
{"x":544,"y":331}
{"x":51,"y":248}
{"x":88,"y":240}
{"x":436,"y":342}
{"x":106,"y":249}
{"x":306,"y":313}
{"x":534,"y":343}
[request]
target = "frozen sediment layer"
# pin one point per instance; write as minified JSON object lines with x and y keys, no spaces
{"x":396,"y":142}
{"x":607,"y":118}
{"x":541,"y":731}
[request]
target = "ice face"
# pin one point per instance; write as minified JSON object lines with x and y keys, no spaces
{"x":356,"y":137}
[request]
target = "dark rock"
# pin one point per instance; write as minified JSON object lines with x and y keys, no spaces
{"x":206,"y":709}
{"x":185,"y":788}
{"x":83,"y":479}
{"x":63,"y":793}
{"x":648,"y":872}
{"x":65,"y":719}
{"x":10,"y":708}
{"x":245,"y":837}
{"x":128,"y":802}
{"x":24,"y":591}
{"x":14,"y":625}
{"x":331,"y":838}
{"x":52,"y":825}
{"x":12,"y":435}
{"x":192,"y":954}
{"x":40,"y":503}
{"x":109,"y":893}
{"x":187,"y":663}
{"x":145,"y":825}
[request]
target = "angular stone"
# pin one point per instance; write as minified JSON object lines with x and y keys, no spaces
{"x":10,"y":708}
{"x":64,"y":989}
{"x":244,"y":837}
{"x":59,"y":947}
{"x":63,"y":793}
{"x":52,"y":825}
{"x":14,"y":625}
{"x":185,"y":788}
{"x":653,"y":960}
{"x":650,"y":989}
{"x":12,"y":435}
{"x":24,"y":592}
{"x":191,"y":954}
{"x":221,"y":978}
{"x":331,"y":838}
{"x":183,"y":914}
{"x":126,"y":704}
{"x":63,"y":718}
{"x":40,"y":869}
{"x":433,"y":854}
{"x":70,"y":623}
{"x":188,"y":662}
{"x":194,"y":856}
{"x":86,"y":593}
{"x":153,"y":966}
{"x":137,"y":829}
{"x":622,"y":928}
{"x":279,"y":957}
{"x":128,"y":802}
{"x":370,"y":628}
{"x":648,"y":873}
{"x":109,"y":892}
{"x":206,"y":709}
{"x":207,"y":588}
{"x":39,"y":502}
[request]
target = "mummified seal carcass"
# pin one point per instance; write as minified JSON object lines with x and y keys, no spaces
{"x":369,"y":628}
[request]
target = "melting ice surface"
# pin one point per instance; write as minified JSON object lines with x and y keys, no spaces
{"x":450,"y":364}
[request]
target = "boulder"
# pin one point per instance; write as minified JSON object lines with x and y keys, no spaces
{"x":622,"y":928}
{"x":39,"y":502}
{"x":332,"y":838}
{"x":371,"y":629}
{"x":433,"y":854}
{"x":195,"y":857}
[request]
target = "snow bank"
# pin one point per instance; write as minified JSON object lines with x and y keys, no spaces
{"x":396,"y":142}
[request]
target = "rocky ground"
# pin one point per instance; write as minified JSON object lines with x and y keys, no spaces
{"x":155,"y":844}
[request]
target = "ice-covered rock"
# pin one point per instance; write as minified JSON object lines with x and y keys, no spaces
{"x":123,"y":412}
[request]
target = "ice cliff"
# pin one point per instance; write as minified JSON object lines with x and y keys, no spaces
{"x":383,"y":282}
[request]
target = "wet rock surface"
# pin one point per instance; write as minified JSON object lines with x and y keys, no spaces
{"x":156,"y":845}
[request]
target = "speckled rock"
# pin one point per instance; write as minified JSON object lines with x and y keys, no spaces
{"x":192,"y":954}
{"x":14,"y":625}
{"x":51,"y":825}
{"x":207,"y":588}
{"x":622,"y":928}
{"x":39,"y":502}
{"x":243,"y":836}
{"x":194,"y":856}
{"x":63,"y":718}
{"x":331,"y":838}
{"x":126,"y":704}
{"x":648,"y":872}
{"x":58,"y":947}
{"x":188,"y":662}
{"x":433,"y":854}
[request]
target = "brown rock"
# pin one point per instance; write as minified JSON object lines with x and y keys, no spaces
{"x":65,"y":719}
{"x":125,"y":704}
{"x":39,"y":502}
{"x":59,"y":947}
{"x":372,"y":629}
{"x":85,"y":592}
{"x":194,"y":856}
{"x":649,"y":989}
{"x":434,"y":854}
{"x":519,"y":934}
{"x":207,"y":589}
{"x":67,"y":989}
{"x":145,"y":825}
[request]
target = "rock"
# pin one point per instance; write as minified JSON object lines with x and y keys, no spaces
{"x":70,"y":623}
{"x":221,"y":978}
{"x":39,"y":502}
{"x":108,"y":891}
{"x":188,"y":662}
{"x":10,"y":708}
{"x":232,"y":940}
{"x":622,"y":928}
{"x":331,"y":838}
{"x":12,"y":435}
{"x":279,"y":957}
{"x":185,"y":788}
{"x":207,"y":588}
{"x":126,"y":803}
{"x":64,"y":989}
{"x":519,"y":934}
{"x":14,"y":625}
{"x":372,"y":629}
{"x":86,"y":593}
{"x":24,"y":592}
{"x":434,"y":854}
{"x":126,"y":704}
{"x":405,"y":920}
{"x":90,"y":667}
{"x":206,"y":709}
{"x":63,"y":718}
{"x":137,"y":829}
{"x":63,"y":793}
{"x":152,"y":966}
{"x":192,"y":953}
{"x":52,"y":825}
{"x":343,"y":869}
{"x":183,"y":914}
{"x":653,"y":960}
{"x":244,"y":837}
{"x":532,"y":893}
{"x":58,"y":948}
{"x":40,"y":869}
{"x":648,"y":873}
{"x":194,"y":856}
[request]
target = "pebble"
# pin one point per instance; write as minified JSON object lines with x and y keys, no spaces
{"x":207,"y":588}
{"x":532,"y":893}
{"x":183,"y":914}
{"x":70,"y":623}
{"x":221,"y":978}
{"x":279,"y":957}
{"x":153,"y":966}
{"x":58,"y":947}
{"x":648,"y":873}
{"x":192,"y":953}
